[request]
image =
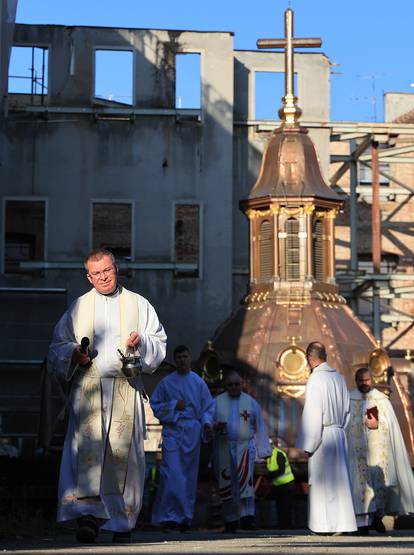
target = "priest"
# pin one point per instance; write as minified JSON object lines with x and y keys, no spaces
{"x":381,"y":474}
{"x":241,"y":435}
{"x":324,"y":419}
{"x":102,"y":469}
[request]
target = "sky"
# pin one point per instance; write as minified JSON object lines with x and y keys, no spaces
{"x":369,"y":42}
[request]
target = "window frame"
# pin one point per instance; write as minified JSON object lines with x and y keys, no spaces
{"x":113,"y":49}
{"x":200,"y":234}
{"x":199,"y":52}
{"x":25,"y":198}
{"x":269,"y":243}
{"x":318,"y":242}
{"x":106,"y":200}
{"x":289,"y":248}
{"x":40,"y":45}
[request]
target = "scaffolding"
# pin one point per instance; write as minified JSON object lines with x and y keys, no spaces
{"x":375,"y":281}
{"x":38,"y":86}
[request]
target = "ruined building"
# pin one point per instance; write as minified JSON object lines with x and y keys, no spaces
{"x":159,"y":184}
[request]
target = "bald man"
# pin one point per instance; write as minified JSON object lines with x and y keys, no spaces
{"x":325,"y":416}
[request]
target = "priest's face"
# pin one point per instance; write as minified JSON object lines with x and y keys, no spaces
{"x":183,"y":362}
{"x":103,"y":275}
{"x":234,"y":386}
{"x":364,"y":382}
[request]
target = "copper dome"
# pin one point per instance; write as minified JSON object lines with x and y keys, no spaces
{"x":290,"y":168}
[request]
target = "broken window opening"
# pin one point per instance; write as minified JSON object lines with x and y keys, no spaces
{"x":187,"y":81}
{"x":24,"y":238}
{"x":112,"y":228}
{"x":187,"y":237}
{"x":28,"y":71}
{"x":114,"y":71}
{"x":269,"y":88}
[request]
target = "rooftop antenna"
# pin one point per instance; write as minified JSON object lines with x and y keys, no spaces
{"x":373,"y":78}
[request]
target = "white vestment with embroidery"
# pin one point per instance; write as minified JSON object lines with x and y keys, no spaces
{"x":118,"y":509}
{"x":381,"y":474}
{"x":246,"y":437}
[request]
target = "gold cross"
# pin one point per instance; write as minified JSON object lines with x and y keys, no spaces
{"x":290,"y":112}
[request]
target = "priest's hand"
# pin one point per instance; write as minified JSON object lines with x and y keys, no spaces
{"x":220,"y":427}
{"x":208,"y":432}
{"x":133,"y":340}
{"x":296,"y":454}
{"x":181,"y":404}
{"x":371,"y":422}
{"x":78,"y":357}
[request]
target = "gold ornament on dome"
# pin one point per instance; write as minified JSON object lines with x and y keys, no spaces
{"x":292,"y":364}
{"x":273,"y":210}
{"x":309,"y":209}
{"x":379,"y":363}
{"x":293,"y":211}
{"x":293,"y":391}
{"x":332,"y":213}
{"x":210,"y":364}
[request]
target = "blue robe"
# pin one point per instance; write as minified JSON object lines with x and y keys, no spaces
{"x":181,"y":436}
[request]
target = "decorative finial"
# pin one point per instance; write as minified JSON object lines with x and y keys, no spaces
{"x":290,"y":112}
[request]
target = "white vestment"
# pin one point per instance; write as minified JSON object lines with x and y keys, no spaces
{"x":119,"y":511}
{"x":381,"y":474}
{"x":235,"y":505}
{"x":325,"y":416}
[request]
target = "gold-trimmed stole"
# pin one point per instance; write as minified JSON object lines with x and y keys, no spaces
{"x":91,"y":449}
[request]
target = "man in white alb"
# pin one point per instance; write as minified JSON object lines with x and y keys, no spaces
{"x":325,"y":416}
{"x":102,"y":469}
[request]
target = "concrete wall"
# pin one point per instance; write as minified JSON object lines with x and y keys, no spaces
{"x":397,"y":104}
{"x":70,"y":159}
{"x":7,"y":19}
{"x":70,"y":156}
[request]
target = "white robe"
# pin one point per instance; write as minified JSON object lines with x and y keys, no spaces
{"x":181,"y":435}
{"x":325,"y":416}
{"x":381,"y":474}
{"x":259,"y":446}
{"x":119,"y":512}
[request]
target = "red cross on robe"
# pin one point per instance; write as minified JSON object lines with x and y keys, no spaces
{"x":245,"y":415}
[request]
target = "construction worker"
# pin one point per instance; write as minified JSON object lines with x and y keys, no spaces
{"x":280,"y":474}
